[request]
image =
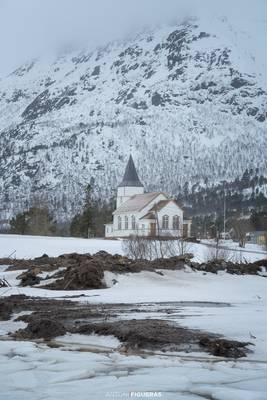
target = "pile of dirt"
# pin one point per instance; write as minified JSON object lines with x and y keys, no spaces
{"x":160,"y":335}
{"x":30,"y":277}
{"x":214,"y":266}
{"x":41,"y":329}
{"x":44,"y":262}
{"x":86,"y":276}
{"x":109,"y":262}
{"x":86,"y":271}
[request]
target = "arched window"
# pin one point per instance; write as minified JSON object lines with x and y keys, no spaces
{"x":126,"y":222}
{"x":175,"y":222}
{"x":165,"y":222}
{"x":119,"y":223}
{"x":133,"y":223}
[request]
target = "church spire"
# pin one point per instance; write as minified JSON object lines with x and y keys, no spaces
{"x":130,"y":177}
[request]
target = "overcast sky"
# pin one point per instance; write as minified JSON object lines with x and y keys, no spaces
{"x":29,"y":28}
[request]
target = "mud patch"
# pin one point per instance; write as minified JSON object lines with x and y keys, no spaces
{"x":50,"y":318}
{"x":160,"y":335}
{"x":5,"y":310}
{"x":224,"y":348}
{"x":42,"y":328}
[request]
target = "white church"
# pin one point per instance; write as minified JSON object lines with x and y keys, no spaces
{"x":145,"y":214}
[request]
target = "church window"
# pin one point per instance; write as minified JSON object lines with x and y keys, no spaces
{"x":133,"y":222}
{"x":165,"y":222}
{"x":175,"y":222}
{"x":119,"y":223}
{"x":126,"y":222}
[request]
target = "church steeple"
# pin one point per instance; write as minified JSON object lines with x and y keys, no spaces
{"x":130,"y":177}
{"x":130,"y":184}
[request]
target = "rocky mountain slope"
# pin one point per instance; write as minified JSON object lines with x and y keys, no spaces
{"x":188,"y":100}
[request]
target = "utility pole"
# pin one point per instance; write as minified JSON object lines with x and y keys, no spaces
{"x":224,"y":211}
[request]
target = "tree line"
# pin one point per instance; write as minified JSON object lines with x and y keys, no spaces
{"x":89,"y":222}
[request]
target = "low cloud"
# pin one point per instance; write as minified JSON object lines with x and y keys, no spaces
{"x":30,"y":27}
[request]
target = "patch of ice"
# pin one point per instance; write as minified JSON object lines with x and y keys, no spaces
{"x":94,"y":341}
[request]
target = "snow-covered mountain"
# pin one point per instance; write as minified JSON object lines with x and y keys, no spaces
{"x":188,"y":100}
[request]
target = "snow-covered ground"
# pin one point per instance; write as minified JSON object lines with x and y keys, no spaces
{"x":35,"y":372}
{"x":93,"y":367}
{"x":231,"y":245}
{"x":34,"y":246}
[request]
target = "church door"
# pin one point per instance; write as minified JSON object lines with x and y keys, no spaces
{"x":153,"y":229}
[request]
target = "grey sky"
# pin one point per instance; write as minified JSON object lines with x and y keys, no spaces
{"x":31,"y":27}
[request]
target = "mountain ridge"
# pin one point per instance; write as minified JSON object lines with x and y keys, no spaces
{"x":187,"y":100}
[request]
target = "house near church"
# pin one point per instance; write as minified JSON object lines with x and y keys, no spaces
{"x":145,"y":214}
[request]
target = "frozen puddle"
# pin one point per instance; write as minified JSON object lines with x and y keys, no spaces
{"x":97,"y":343}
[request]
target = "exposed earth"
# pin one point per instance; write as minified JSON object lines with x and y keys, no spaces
{"x":82,"y":326}
{"x":85,"y":271}
{"x":51,"y":318}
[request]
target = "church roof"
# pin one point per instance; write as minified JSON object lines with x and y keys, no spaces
{"x":137,"y":202}
{"x":130,"y":177}
{"x":149,"y":215}
{"x":161,"y":204}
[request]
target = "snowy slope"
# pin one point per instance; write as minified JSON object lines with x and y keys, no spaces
{"x":188,"y":100}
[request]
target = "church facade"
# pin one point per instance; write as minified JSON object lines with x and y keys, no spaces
{"x":145,"y":214}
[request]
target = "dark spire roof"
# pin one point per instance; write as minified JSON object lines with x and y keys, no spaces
{"x":130,"y":177}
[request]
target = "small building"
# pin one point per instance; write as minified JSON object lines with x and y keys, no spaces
{"x":145,"y":214}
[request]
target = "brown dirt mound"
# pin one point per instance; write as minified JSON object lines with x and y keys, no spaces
{"x":85,"y":271}
{"x":30,"y":277}
{"x":86,"y":276}
{"x":215,"y":266}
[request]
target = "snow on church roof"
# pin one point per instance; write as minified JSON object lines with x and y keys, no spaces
{"x":137,"y":202}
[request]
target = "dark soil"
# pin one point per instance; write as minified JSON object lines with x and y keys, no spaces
{"x":51,"y":318}
{"x":29,"y":278}
{"x":215,"y":266}
{"x":160,"y":335}
{"x":88,"y":275}
{"x":5,"y":310}
{"x":86,"y":271}
{"x":223,"y":347}
{"x":42,"y":328}
{"x":144,"y":333}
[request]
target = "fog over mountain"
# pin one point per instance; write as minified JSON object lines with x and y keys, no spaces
{"x":29,"y":28}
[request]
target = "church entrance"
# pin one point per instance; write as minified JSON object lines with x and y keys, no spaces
{"x":153,"y":229}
